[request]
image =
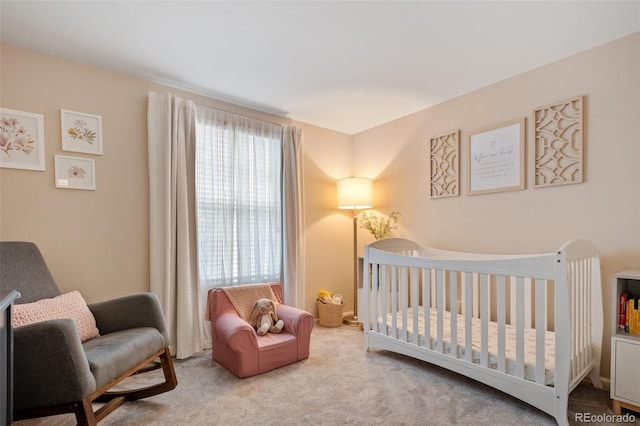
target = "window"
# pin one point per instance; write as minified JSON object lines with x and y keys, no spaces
{"x":239,"y":199}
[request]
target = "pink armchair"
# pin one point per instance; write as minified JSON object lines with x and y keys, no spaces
{"x":238,"y":348}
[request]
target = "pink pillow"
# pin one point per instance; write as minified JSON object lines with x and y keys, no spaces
{"x":69,"y":305}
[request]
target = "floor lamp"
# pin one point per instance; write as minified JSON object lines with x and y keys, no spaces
{"x":355,"y":194}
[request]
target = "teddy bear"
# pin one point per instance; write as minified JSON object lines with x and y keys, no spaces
{"x":264,"y":317}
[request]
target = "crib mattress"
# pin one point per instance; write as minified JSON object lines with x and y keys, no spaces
{"x":510,"y":342}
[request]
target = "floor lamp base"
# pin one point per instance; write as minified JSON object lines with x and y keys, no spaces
{"x":351,"y":320}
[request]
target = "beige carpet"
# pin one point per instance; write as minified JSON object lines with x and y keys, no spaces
{"x":339,"y":384}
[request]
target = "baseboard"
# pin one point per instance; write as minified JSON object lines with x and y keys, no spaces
{"x":344,"y":314}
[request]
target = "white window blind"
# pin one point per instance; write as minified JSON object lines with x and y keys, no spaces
{"x":239,"y":202}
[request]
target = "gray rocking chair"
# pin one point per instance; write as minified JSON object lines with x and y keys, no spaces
{"x":54,"y":372}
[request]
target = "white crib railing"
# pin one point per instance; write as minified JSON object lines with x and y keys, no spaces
{"x":427,"y":303}
{"x":405,"y":297}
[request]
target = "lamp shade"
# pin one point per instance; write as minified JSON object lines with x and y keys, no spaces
{"x":355,"y":193}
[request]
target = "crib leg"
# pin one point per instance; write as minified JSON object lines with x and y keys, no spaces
{"x":562,"y":410}
{"x":562,"y":419}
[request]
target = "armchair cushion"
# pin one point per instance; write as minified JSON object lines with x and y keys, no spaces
{"x":113,"y":354}
{"x":66,"y":306}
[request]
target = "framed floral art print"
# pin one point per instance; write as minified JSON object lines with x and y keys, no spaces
{"x":21,"y":140}
{"x":75,"y":173}
{"x":81,"y":132}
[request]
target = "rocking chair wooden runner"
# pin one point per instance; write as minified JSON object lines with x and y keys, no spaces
{"x":55,"y":372}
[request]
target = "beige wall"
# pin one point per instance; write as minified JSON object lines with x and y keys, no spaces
{"x":604,"y":209}
{"x":328,"y":236}
{"x":97,"y":241}
{"x":93,"y":241}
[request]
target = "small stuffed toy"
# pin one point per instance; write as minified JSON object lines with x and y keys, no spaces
{"x":264,"y":317}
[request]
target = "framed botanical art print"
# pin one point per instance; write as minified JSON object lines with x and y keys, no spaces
{"x":21,"y":140}
{"x":75,"y":173}
{"x":81,"y":132}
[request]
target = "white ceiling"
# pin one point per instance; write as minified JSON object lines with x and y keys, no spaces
{"x":342,"y":65}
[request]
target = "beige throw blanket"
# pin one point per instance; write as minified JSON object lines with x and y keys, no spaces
{"x":244,"y":297}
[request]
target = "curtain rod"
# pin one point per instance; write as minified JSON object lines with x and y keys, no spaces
{"x":239,"y":115}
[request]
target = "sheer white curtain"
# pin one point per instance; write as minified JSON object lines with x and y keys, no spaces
{"x":239,"y":163}
{"x":172,"y":223}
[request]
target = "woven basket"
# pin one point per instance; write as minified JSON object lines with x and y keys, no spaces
{"x":330,"y":315}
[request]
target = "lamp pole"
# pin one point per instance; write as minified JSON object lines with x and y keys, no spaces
{"x":353,"y":320}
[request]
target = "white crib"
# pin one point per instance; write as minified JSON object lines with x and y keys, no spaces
{"x":528,"y":325}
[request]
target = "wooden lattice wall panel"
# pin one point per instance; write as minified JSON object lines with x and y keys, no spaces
{"x":559,"y":143}
{"x":445,"y":165}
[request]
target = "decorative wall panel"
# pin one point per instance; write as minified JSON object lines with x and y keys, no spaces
{"x":559,"y":143}
{"x":445,"y":165}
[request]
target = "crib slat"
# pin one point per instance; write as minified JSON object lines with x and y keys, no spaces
{"x":468,"y":311}
{"x":587,"y":313}
{"x":476,"y":297}
{"x":572,"y":317}
{"x":502,"y":313}
{"x":404,"y":301}
{"x":578,"y":314}
{"x":426,"y":305}
{"x":375,"y":297}
{"x":512,"y":300}
{"x":528,"y":314}
{"x":578,"y":321}
{"x":484,"y":320}
{"x":434,"y":296}
{"x":588,"y":320}
{"x":520,"y":289}
{"x":581,"y":306}
{"x":453,"y":307}
{"x":440,"y":309}
{"x":540,"y":300}
{"x":394,"y":301}
{"x":583,"y":314}
{"x":415,"y":294}
{"x":384,"y":286}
